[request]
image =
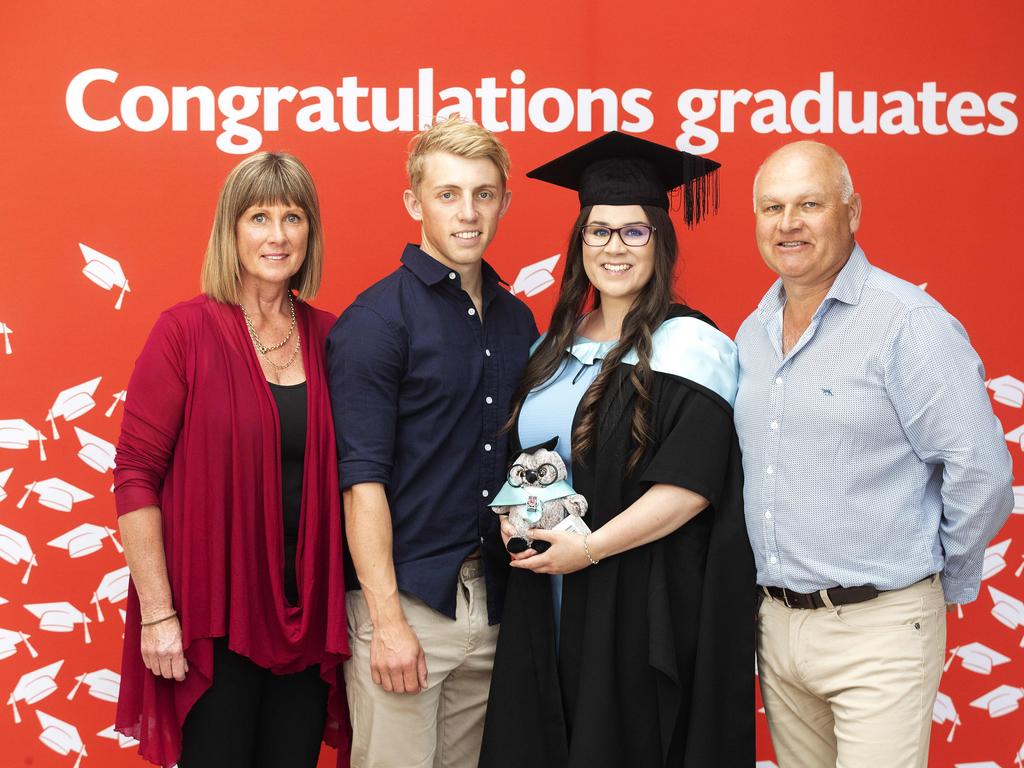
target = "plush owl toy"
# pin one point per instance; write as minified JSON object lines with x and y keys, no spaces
{"x":536,"y":495}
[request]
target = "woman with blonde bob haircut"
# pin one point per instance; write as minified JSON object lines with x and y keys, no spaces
{"x":227,"y":495}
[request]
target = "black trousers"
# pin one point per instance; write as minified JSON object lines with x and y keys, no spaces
{"x":252,"y":718}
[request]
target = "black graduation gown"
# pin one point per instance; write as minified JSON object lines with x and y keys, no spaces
{"x":656,"y":657}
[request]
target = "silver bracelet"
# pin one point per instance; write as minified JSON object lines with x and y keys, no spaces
{"x":586,"y":548}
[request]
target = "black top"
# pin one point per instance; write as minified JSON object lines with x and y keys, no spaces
{"x":420,"y":388}
{"x":291,"y":408}
{"x":656,"y":643}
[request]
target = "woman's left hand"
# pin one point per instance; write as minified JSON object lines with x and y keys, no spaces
{"x":566,"y":554}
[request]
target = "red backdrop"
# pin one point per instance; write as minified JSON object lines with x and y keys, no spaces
{"x":936,"y":154}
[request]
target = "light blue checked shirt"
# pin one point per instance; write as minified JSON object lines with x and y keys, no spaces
{"x":870,"y":452}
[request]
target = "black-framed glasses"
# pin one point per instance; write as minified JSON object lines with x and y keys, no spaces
{"x":631,"y":235}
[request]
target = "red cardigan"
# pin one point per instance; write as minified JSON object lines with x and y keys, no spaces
{"x":200,"y":440}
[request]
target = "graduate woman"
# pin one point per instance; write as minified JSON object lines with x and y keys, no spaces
{"x":631,"y":645}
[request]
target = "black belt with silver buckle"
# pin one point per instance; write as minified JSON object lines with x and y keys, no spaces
{"x":836,"y":595}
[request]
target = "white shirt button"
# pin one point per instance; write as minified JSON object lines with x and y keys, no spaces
{"x":487,"y":352}
{"x":778,"y":380}
{"x":770,"y":470}
{"x":481,"y":539}
{"x":768,"y":514}
{"x":451,"y":275}
{"x":488,"y":399}
{"x":471,"y":311}
{"x":773,"y":559}
{"x":487,"y":446}
{"x":775,"y":425}
{"x":485,"y":493}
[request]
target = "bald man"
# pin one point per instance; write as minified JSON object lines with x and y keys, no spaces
{"x":875,"y":475}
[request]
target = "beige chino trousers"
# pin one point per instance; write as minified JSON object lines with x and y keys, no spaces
{"x":853,"y":686}
{"x":441,"y":726}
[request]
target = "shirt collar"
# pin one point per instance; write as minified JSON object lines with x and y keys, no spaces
{"x":431,"y":271}
{"x":587,"y":351}
{"x":847,"y":287}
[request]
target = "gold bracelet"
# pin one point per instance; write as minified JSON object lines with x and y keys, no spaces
{"x":586,"y":549}
{"x":171,"y":615}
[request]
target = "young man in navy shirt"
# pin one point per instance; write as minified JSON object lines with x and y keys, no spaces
{"x":423,"y":366}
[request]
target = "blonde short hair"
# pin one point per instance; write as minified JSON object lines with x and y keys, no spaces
{"x":457,"y":136}
{"x":266,"y":178}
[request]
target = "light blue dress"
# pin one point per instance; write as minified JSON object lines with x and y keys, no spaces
{"x":549,"y":409}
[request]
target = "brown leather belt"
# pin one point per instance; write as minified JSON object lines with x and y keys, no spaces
{"x":837,"y":596}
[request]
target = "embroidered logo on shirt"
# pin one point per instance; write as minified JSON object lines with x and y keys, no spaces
{"x":825,"y":391}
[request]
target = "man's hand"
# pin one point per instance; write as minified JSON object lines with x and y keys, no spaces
{"x":397,"y":662}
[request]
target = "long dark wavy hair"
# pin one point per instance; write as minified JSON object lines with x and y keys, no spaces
{"x":575,"y":297}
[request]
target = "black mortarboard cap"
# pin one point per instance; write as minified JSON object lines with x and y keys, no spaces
{"x":621,"y":169}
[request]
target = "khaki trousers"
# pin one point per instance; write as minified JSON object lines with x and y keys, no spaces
{"x":853,"y":686}
{"x":441,"y":726}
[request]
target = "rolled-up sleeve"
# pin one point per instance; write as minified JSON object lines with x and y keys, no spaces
{"x":153,"y":415}
{"x":365,"y":365}
{"x":936,"y":383}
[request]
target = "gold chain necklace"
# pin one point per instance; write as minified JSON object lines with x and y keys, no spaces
{"x":263,"y":348}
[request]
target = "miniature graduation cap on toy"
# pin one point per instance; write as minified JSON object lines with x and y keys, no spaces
{"x":63,"y":738}
{"x":621,"y":169}
{"x":34,"y":686}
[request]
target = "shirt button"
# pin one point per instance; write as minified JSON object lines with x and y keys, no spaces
{"x":487,"y":446}
{"x":487,"y":352}
{"x":778,"y":380}
{"x":770,"y":470}
{"x":775,"y":425}
{"x":488,"y":399}
{"x":773,"y":559}
{"x":481,"y":539}
{"x":471,"y":311}
{"x":768,"y":514}
{"x":451,"y":275}
{"x":485,"y":493}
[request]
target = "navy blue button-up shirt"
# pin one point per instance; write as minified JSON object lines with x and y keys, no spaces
{"x":421,"y":386}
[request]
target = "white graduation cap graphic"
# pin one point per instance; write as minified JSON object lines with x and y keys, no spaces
{"x":103,"y":684}
{"x":113,"y":588}
{"x":124,"y":742}
{"x":63,"y":738}
{"x":55,"y":493}
{"x":34,"y":686}
{"x":16,"y":434}
{"x":5,"y":475}
{"x":96,"y":452}
{"x":923,"y":286}
{"x":984,"y":764}
{"x":1007,"y":390}
{"x":14,"y":549}
{"x":765,"y":764}
{"x":976,"y":657}
{"x":105,"y":272}
{"x":72,"y":403}
{"x":1018,"y":499}
{"x":9,"y":639}
{"x":7,"y":331}
{"x":59,"y":617}
{"x":119,"y":397}
{"x":1016,"y":436}
{"x":1018,"y":759}
{"x":1006,"y":609}
{"x":1000,"y":701}
{"x":944,"y":711}
{"x":534,"y":278}
{"x":4,"y":601}
{"x":995,"y":559}
{"x":85,"y":539}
